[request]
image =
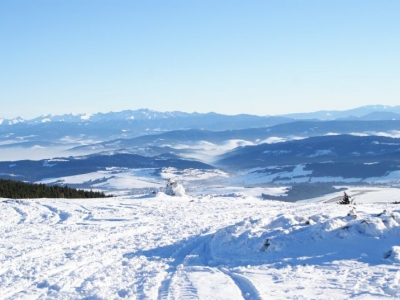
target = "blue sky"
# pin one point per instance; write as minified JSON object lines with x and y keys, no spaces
{"x":257,"y":57}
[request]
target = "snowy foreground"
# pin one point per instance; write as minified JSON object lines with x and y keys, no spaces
{"x":204,"y":247}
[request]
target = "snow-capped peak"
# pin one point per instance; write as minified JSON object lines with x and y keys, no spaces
{"x":85,"y":117}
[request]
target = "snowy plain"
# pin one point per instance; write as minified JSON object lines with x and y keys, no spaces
{"x":200,"y":247}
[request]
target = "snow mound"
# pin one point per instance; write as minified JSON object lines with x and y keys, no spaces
{"x":174,"y":188}
{"x":315,"y":239}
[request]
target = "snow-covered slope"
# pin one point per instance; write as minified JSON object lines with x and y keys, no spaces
{"x":205,"y":247}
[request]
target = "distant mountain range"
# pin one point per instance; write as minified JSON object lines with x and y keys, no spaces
{"x":126,"y":124}
{"x":103,"y":136}
{"x":154,"y":121}
{"x":369,"y":112}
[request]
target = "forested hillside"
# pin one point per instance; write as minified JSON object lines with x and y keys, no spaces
{"x":21,"y":190}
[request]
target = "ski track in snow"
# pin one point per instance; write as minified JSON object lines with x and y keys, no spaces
{"x":164,"y":248}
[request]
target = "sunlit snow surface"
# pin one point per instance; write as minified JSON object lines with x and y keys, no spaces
{"x":200,"y":247}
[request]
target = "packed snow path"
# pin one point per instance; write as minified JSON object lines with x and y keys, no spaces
{"x":197,"y":248}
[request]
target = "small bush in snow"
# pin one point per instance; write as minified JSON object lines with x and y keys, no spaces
{"x":266,"y":244}
{"x":345,"y":199}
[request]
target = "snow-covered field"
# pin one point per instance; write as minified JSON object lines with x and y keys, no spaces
{"x":200,"y":247}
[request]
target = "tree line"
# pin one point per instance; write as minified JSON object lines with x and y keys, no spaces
{"x":22,"y":190}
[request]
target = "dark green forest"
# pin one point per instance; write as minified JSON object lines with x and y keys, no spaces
{"x":21,"y":190}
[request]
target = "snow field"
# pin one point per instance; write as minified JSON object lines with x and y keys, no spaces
{"x":204,"y":247}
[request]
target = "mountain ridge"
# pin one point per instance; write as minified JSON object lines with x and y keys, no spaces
{"x":148,"y":114}
{"x":339,"y":114}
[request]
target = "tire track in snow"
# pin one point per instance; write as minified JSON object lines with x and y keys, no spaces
{"x":51,"y":246}
{"x":62,"y":215}
{"x":63,"y":278}
{"x":249,"y":291}
{"x":179,"y":287}
{"x":30,"y":255}
{"x":195,"y":257}
{"x":179,"y":258}
{"x":72,"y":274}
{"x":22,"y":215}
